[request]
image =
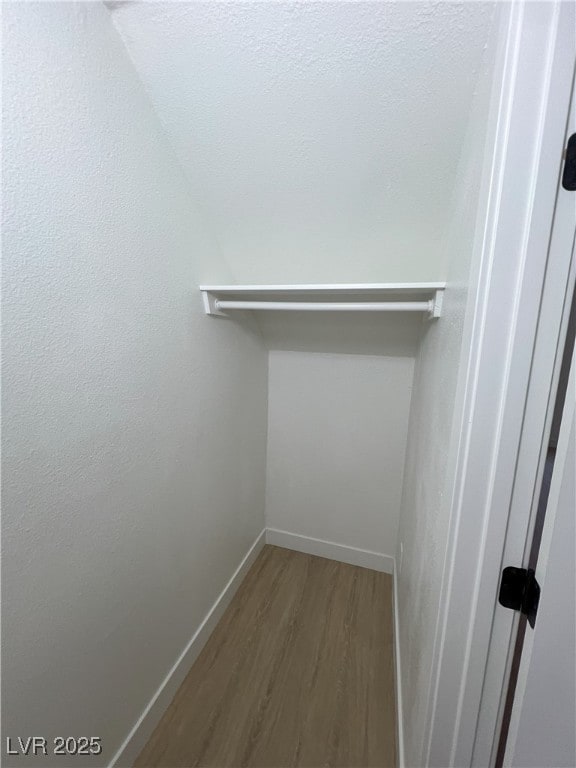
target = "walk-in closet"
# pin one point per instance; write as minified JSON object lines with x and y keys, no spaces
{"x":246,"y":253}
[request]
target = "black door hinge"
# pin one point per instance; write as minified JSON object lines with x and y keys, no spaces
{"x":569,"y":175}
{"x":520,"y":591}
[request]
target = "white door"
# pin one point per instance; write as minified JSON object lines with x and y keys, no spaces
{"x":542,"y":731}
{"x":511,"y":637}
{"x":538,"y":725}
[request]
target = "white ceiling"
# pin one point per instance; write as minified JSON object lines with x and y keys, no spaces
{"x":322,"y":137}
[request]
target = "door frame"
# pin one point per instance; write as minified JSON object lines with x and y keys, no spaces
{"x":516,"y":294}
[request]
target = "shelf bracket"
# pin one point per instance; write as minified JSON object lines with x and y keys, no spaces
{"x":211,"y":304}
{"x":436,"y":309}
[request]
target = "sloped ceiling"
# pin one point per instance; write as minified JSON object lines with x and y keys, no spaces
{"x":322,"y":138}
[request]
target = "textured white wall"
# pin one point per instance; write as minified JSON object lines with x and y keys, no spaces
{"x":134,"y":426}
{"x":388,"y":334}
{"x":337,"y":427}
{"x":433,"y":430}
{"x":326,"y":135}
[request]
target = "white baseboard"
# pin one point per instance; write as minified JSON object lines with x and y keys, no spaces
{"x":351,"y":555}
{"x":149,"y":719}
{"x":398,"y":677}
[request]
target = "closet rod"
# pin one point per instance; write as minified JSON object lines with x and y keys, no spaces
{"x":330,"y":306}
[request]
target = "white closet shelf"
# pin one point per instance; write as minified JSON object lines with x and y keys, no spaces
{"x":362,"y":297}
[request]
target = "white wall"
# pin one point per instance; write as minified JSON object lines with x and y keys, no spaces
{"x":337,"y":428}
{"x":134,"y":426}
{"x":433,"y":430}
{"x":387,"y":334}
{"x":326,"y":135}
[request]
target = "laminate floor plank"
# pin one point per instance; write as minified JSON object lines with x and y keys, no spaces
{"x":298,"y":672}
